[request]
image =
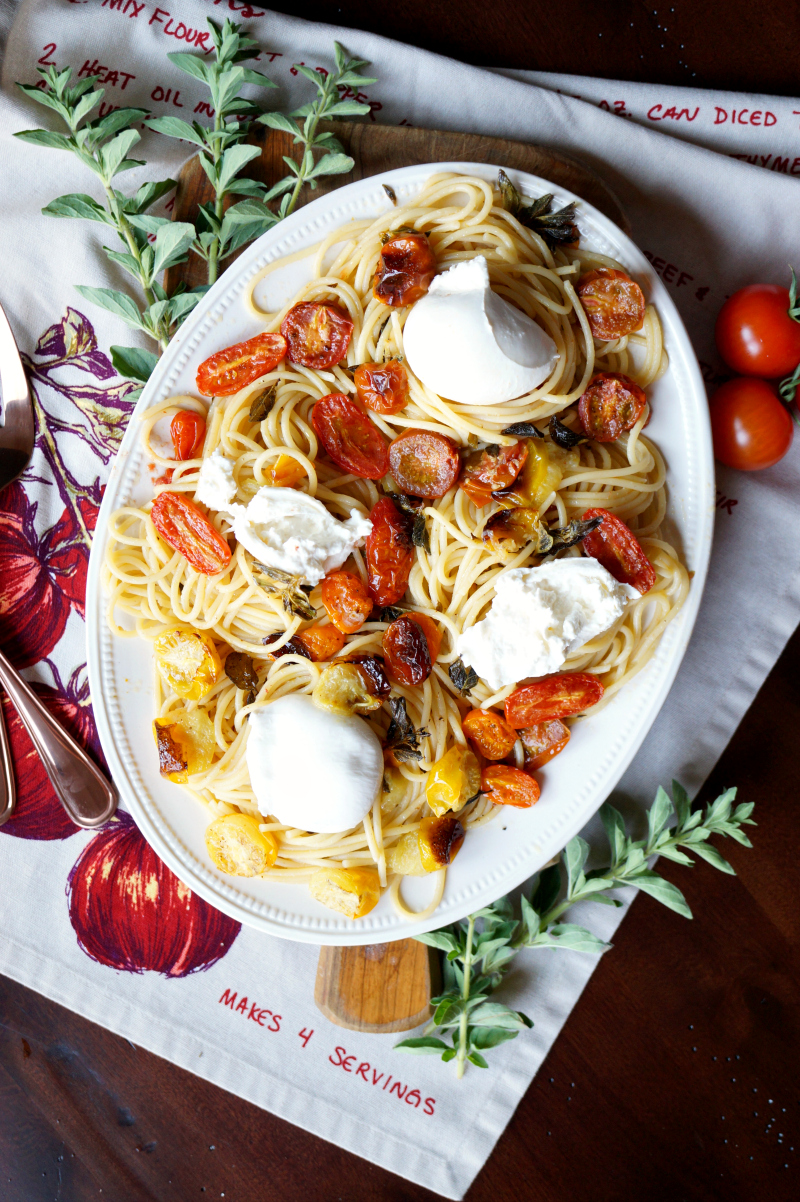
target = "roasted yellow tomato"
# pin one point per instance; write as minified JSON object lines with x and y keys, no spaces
{"x":539,"y":477}
{"x":186,"y":744}
{"x":188,"y":661}
{"x":395,"y":788}
{"x":238,"y":847}
{"x":285,"y":472}
{"x":453,"y":780}
{"x":342,"y":688}
{"x":404,"y":859}
{"x":440,"y":840}
{"x":351,"y":891}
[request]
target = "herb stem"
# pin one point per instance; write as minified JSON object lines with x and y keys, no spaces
{"x":219,"y":200}
{"x":308,"y":141}
{"x":461,"y":1058}
{"x":125,"y":232}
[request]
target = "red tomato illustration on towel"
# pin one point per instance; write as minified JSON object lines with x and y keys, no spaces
{"x":40,"y":578}
{"x":130,"y":912}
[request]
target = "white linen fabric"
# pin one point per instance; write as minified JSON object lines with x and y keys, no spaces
{"x":709,"y":224}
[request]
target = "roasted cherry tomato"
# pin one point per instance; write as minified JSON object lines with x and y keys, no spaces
{"x":533,"y":483}
{"x":382,"y":387}
{"x":495,"y":468}
{"x":389,"y":553}
{"x":373,"y":670}
{"x":440,"y":839}
{"x":612,"y":404}
{"x":750,"y":427}
{"x":453,"y":780}
{"x":186,"y":528}
{"x":350,"y":438}
{"x":405,"y":270}
{"x":321,"y":641}
{"x":543,"y":742}
{"x":616,"y":547}
{"x":408,"y":654}
{"x":229,"y":370}
{"x":431,"y":631}
{"x":285,"y":472}
{"x":424,"y":463}
{"x":557,"y":696}
{"x":188,"y":431}
{"x":612,"y":301}
{"x":318,"y":334}
{"x":505,"y":786}
{"x":755,"y":334}
{"x":489,"y":734}
{"x":347,"y":601}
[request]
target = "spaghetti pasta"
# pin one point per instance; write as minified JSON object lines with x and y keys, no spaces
{"x":151,"y":587}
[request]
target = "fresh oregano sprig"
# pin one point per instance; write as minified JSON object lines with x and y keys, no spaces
{"x":152,"y":244}
{"x":222,"y":149}
{"x":103,"y":145}
{"x":332,"y":160}
{"x":479,"y":950}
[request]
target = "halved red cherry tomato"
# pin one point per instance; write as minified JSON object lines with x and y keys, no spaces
{"x":382,"y":387}
{"x":495,"y":468}
{"x":424,"y":463}
{"x":506,"y":786}
{"x":317,"y":334}
{"x":543,"y":742}
{"x":612,"y":301}
{"x":616,"y":547}
{"x":389,"y":553}
{"x":750,"y":427}
{"x":405,"y":270}
{"x":489,"y":734}
{"x":755,"y":334}
{"x":347,"y":601}
{"x":612,"y":404}
{"x":186,"y":528}
{"x":557,"y":696}
{"x":227,"y":371}
{"x":352,"y":441}
{"x":188,"y":432}
{"x":407,"y":647}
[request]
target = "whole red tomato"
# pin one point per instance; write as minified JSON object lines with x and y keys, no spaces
{"x":755,"y":334}
{"x":750,"y":427}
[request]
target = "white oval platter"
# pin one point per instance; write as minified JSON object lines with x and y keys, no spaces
{"x":507,"y":851}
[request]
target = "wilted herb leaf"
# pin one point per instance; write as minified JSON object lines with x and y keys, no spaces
{"x":557,"y":229}
{"x":523,"y":430}
{"x":289,"y":588}
{"x":463,"y":678}
{"x":389,"y":613}
{"x":390,"y":192}
{"x":262,"y":402}
{"x":572,"y":533}
{"x":419,"y":533}
{"x":402,"y":736}
{"x":562,"y":436}
{"x":240,"y":668}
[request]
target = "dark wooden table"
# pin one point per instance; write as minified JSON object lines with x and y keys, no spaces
{"x":676,"y":1074}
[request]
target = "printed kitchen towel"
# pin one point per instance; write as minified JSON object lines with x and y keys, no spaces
{"x":111,"y":932}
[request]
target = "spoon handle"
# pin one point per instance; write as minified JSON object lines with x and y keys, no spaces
{"x":8,"y":788}
{"x":85,"y":793}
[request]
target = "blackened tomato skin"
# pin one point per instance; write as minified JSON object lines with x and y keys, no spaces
{"x":750,"y":427}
